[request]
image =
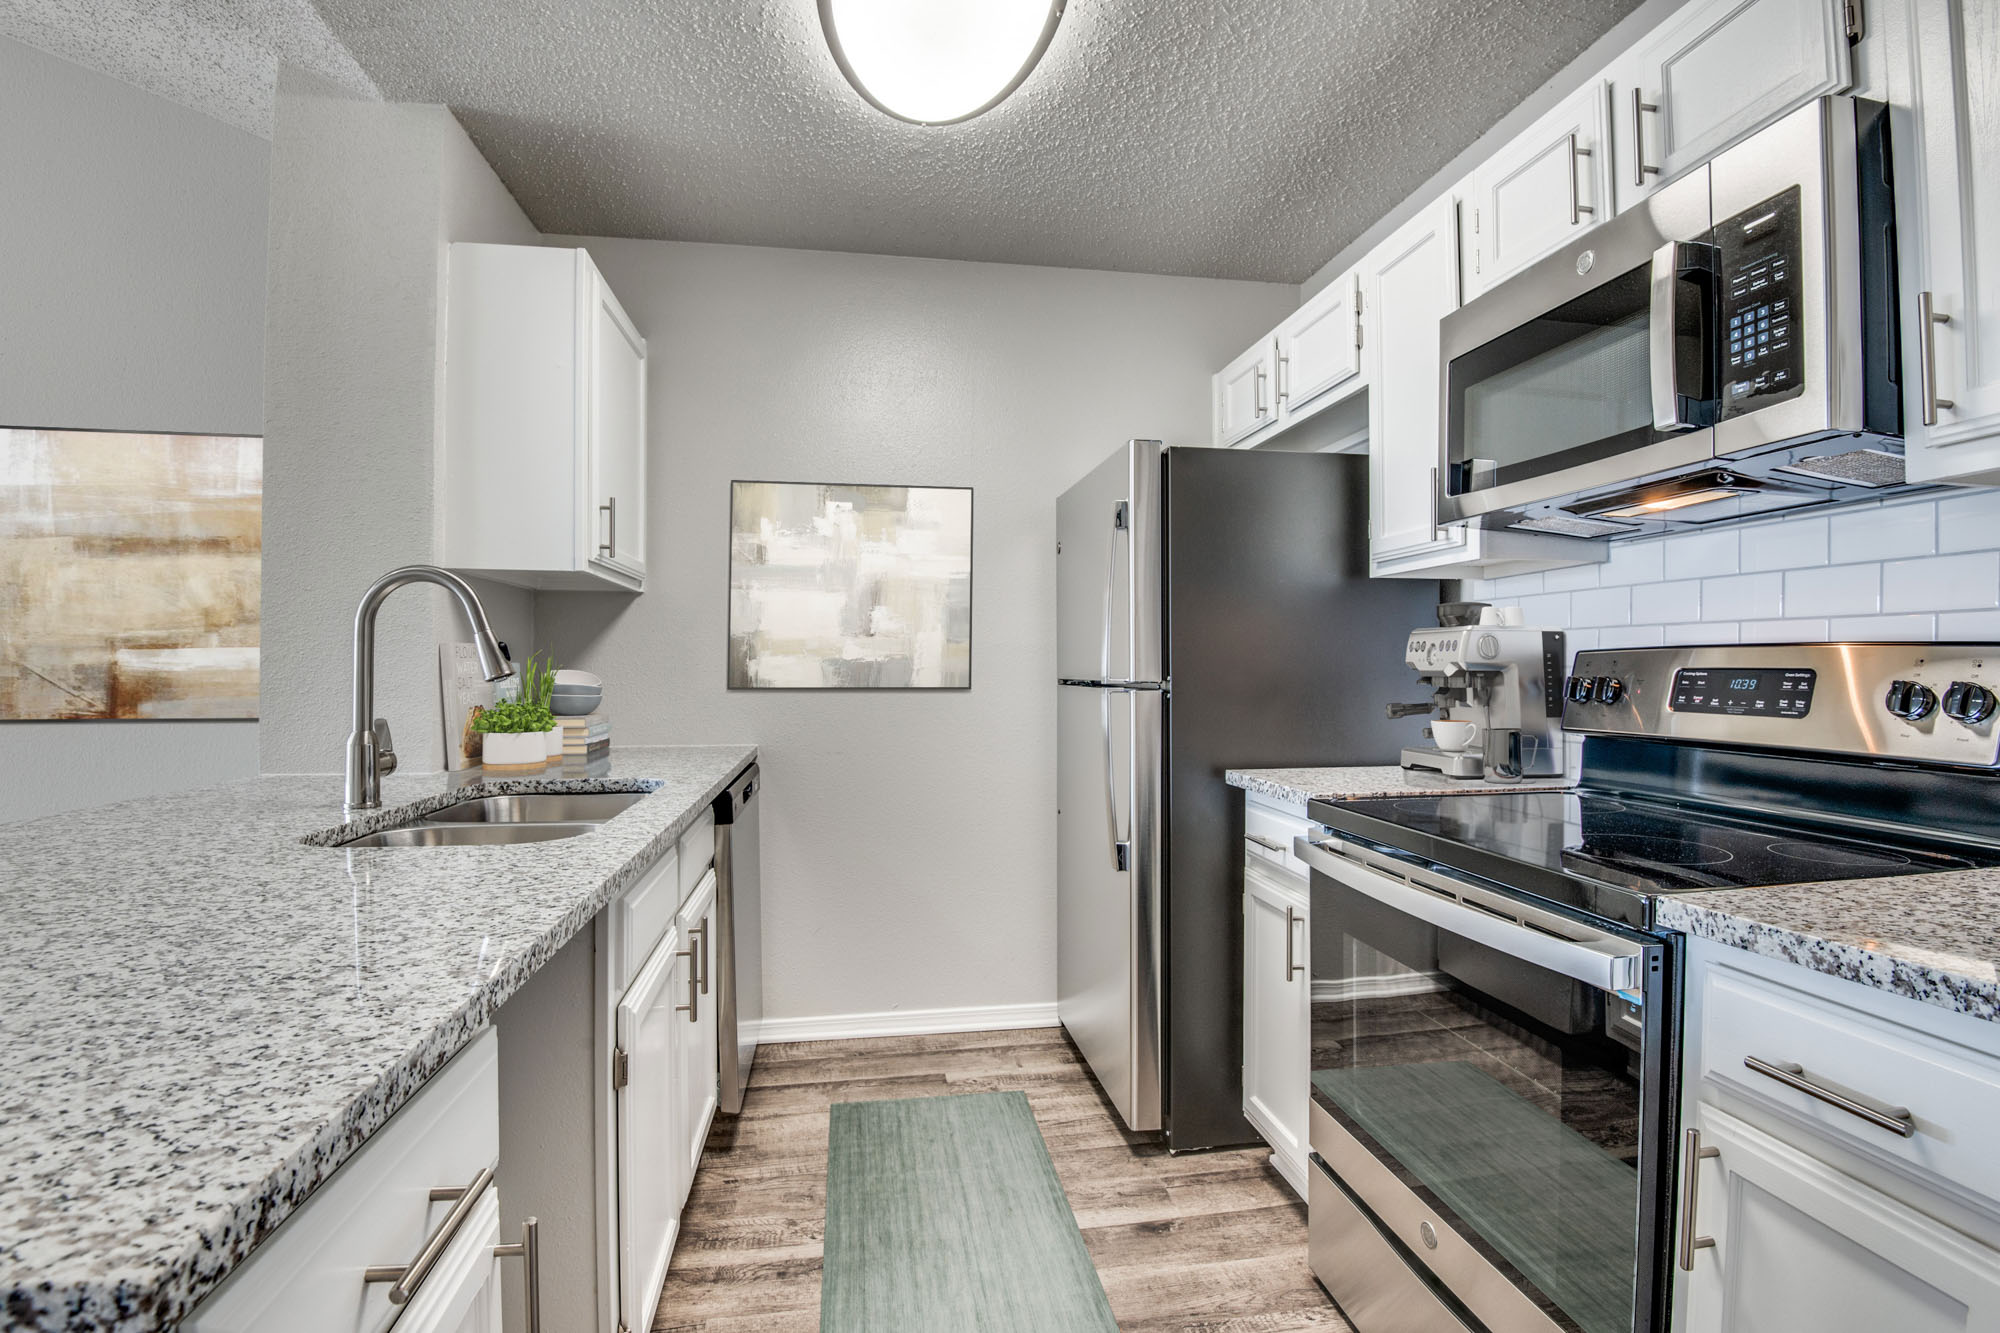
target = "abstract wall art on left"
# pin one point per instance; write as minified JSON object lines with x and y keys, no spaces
{"x":130,"y":574}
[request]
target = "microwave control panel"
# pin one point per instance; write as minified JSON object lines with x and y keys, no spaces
{"x":1760,"y":255}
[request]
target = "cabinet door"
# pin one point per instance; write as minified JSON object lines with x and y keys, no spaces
{"x":1409,"y":283}
{"x":617,"y":388}
{"x":1799,"y":1245}
{"x":1244,"y":401}
{"x":698,"y":1033}
{"x":652,"y":1168}
{"x":1319,"y":347}
{"x":1546,"y":186}
{"x":1714,"y":72}
{"x":1277,"y":1060}
{"x":1954,"y":49}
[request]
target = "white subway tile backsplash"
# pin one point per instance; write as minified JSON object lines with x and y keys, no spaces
{"x":1794,"y":544}
{"x":1693,"y":555}
{"x":1601,"y":606}
{"x":1783,"y":631}
{"x":1633,"y":562}
{"x":1567,"y":580}
{"x":1884,"y":533}
{"x":1550,"y":609}
{"x":1942,"y":583}
{"x":1969,"y":626}
{"x":1707,"y":631}
{"x":1668,"y":602}
{"x":1736,"y":596}
{"x":1834,"y":591}
{"x":1917,"y":570}
{"x":1969,"y":522}
{"x":1630,"y":636}
{"x":1882,"y":627}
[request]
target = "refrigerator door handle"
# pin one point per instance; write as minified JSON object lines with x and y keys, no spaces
{"x":1121,"y":845}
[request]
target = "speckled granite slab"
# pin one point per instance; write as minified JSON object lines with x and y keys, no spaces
{"x":1357,"y":784}
{"x":1934,"y":938}
{"x":203,"y":1016}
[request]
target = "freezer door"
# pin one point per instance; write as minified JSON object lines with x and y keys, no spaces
{"x":1108,"y":570}
{"x":1107,"y":890}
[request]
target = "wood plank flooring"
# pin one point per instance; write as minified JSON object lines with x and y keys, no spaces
{"x":1201,"y":1243}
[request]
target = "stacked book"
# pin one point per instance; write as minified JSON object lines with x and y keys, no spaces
{"x":586,"y":738}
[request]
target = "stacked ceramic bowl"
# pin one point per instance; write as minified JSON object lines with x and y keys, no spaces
{"x":577,"y":693}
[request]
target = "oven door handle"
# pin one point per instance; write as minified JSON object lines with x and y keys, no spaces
{"x":1596,"y":958}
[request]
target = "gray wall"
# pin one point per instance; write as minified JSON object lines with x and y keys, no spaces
{"x":365,"y":197}
{"x":131,"y":296}
{"x":909,"y":858}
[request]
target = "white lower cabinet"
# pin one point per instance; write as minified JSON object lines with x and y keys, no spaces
{"x":1277,"y":1010}
{"x":652,"y":1168}
{"x":380,"y":1211}
{"x":1836,"y":1169}
{"x":1797,"y":1244}
{"x":698,"y":1034}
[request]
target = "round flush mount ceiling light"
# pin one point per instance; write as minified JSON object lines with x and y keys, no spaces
{"x":937,"y":62}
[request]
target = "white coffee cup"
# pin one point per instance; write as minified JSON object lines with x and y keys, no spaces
{"x":1452,"y":735}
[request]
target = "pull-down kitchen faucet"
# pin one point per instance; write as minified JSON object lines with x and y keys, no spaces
{"x":369,"y":751}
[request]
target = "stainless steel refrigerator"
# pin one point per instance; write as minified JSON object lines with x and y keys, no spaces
{"x":1214,"y":611}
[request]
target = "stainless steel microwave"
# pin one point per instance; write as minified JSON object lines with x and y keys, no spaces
{"x":1724,"y":348}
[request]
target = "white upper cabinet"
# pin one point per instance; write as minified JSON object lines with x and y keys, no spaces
{"x":543,"y":481}
{"x":1244,"y":394}
{"x":1546,"y":186}
{"x":1948,"y":192}
{"x":1319,"y":347}
{"x":1711,"y":74}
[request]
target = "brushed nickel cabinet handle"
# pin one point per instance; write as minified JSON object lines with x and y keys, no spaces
{"x":609,"y":546}
{"x":1577,"y":208}
{"x":1292,"y":968}
{"x":1694,"y":1155}
{"x":409,"y":1277}
{"x":693,"y":1007}
{"x":701,"y":953}
{"x":1895,"y":1119}
{"x":529,"y":1251}
{"x":1639,"y":107}
{"x":1257,"y":392}
{"x":1928,"y":319}
{"x":1283,"y":392}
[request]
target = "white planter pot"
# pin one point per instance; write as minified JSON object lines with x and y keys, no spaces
{"x":555,"y":739}
{"x":515,"y":749}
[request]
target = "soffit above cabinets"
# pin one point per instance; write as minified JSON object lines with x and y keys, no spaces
{"x":1249,"y":140}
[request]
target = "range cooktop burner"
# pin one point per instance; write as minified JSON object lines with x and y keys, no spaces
{"x":1658,"y":850}
{"x":1835,"y":854}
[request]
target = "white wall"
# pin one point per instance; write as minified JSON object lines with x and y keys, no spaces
{"x":909,"y":855}
{"x":132,"y":297}
{"x":365,"y":198}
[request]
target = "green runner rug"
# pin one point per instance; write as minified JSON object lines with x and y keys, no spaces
{"x":946,"y":1213}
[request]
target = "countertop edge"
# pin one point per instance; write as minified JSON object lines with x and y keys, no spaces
{"x":160,"y":1298}
{"x":1835,"y":958}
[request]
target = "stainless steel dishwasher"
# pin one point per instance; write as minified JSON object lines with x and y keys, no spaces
{"x":739,"y":937}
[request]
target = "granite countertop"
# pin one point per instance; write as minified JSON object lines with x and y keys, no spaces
{"x":1934,"y":937}
{"x":1358,"y":784}
{"x":203,"y":1016}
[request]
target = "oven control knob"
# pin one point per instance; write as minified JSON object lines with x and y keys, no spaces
{"x":1580,"y":690}
{"x":1610,"y":689}
{"x":1968,"y":703}
{"x":1909,"y":700}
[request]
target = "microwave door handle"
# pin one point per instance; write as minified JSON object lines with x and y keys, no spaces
{"x":1663,"y":323}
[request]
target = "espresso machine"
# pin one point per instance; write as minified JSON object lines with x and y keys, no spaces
{"x":1496,"y":695}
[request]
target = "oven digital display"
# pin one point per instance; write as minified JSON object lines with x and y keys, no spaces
{"x":1744,"y":692}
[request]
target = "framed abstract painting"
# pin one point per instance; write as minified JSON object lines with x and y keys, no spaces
{"x":130,"y":574}
{"x":835,"y":587}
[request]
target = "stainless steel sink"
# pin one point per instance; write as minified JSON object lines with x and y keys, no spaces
{"x":491,"y":821}
{"x":539,"y":808}
{"x":468,"y":835}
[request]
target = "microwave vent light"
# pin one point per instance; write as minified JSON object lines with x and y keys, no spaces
{"x":1685,"y":500}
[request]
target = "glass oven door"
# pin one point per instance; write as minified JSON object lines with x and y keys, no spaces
{"x":1490,"y":1081}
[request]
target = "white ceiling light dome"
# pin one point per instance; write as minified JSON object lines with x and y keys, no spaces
{"x":937,"y":62}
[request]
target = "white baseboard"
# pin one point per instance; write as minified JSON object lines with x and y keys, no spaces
{"x":1374,"y":988}
{"x":909,"y":1022}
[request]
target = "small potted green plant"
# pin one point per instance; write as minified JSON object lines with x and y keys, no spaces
{"x":519,"y":732}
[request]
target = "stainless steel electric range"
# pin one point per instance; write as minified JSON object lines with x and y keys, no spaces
{"x":1495,"y":1034}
